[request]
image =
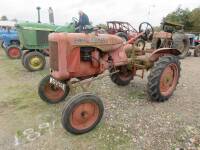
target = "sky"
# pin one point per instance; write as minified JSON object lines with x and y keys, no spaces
{"x":99,"y":11}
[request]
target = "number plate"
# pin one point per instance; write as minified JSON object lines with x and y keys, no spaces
{"x":57,"y":83}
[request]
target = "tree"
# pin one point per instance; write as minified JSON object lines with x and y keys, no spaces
{"x":102,"y":26}
{"x":195,"y":19}
{"x":190,"y":19}
{"x":181,"y":16}
{"x":3,"y":18}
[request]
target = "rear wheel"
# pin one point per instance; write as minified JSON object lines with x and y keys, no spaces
{"x":156,"y":43}
{"x":182,"y":43}
{"x":50,"y":93}
{"x":140,"y":43}
{"x":13,"y":52}
{"x":82,"y":113}
{"x":163,"y":78}
{"x":123,"y":77}
{"x":23,"y":56}
{"x":197,"y":51}
{"x":34,"y":61}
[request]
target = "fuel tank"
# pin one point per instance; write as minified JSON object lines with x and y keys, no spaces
{"x":103,"y":42}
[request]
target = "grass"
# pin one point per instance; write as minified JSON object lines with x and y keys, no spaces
{"x":137,"y":94}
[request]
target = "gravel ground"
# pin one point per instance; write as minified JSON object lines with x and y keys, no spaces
{"x":130,"y":121}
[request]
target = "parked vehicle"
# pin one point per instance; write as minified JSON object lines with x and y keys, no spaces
{"x":172,"y":36}
{"x":34,"y":42}
{"x":126,"y":31}
{"x":10,"y":43}
{"x":77,"y":59}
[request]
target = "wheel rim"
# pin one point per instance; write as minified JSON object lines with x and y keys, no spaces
{"x":52,"y":92}
{"x":84,"y":115}
{"x":14,"y":52}
{"x":36,"y":62}
{"x":169,"y":79}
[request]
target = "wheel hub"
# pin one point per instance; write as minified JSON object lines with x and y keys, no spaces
{"x":14,"y":52}
{"x":168,"y":79}
{"x":35,"y":62}
{"x":52,"y":92}
{"x":84,"y":115}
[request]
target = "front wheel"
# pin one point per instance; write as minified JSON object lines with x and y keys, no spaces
{"x":13,"y":52}
{"x":123,"y":77}
{"x":163,"y":78}
{"x":50,"y":93}
{"x":82,"y":113}
{"x":34,"y":61}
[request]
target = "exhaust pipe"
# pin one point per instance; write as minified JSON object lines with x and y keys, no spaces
{"x":51,"y":16}
{"x":38,"y":10}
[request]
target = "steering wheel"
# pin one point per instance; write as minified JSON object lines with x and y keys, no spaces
{"x":75,"y":20}
{"x":148,"y":31}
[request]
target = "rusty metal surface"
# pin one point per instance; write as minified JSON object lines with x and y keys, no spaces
{"x":104,"y":42}
{"x":162,"y":35}
{"x":53,"y":52}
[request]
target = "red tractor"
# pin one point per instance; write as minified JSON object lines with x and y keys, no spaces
{"x":172,"y":36}
{"x":76,"y":59}
{"x":126,"y":31}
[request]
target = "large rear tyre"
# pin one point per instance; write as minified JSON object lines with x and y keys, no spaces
{"x":182,"y":43}
{"x":23,"y":56}
{"x":13,"y":52}
{"x":123,"y":77}
{"x":34,"y":61}
{"x":82,"y":113}
{"x":156,"y":43}
{"x":50,"y":93}
{"x":197,"y":51}
{"x":140,"y":43}
{"x":163,"y":78}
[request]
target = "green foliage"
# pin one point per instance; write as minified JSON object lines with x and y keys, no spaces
{"x":190,"y":19}
{"x":102,"y":26}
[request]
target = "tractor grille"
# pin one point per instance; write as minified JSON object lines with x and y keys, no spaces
{"x":53,"y":51}
{"x":42,"y":37}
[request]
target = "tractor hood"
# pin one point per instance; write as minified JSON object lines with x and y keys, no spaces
{"x":104,"y":42}
{"x":46,"y":27}
{"x":36,"y":26}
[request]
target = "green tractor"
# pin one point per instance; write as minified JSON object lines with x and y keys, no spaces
{"x":34,"y":42}
{"x":171,"y":36}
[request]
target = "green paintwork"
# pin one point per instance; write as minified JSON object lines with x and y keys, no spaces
{"x":30,"y":34}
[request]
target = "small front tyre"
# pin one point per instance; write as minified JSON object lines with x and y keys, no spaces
{"x":51,"y":93}
{"x":123,"y":77}
{"x":82,"y":113}
{"x":163,"y":78}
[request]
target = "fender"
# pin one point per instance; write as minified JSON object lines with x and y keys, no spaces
{"x":163,"y":51}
